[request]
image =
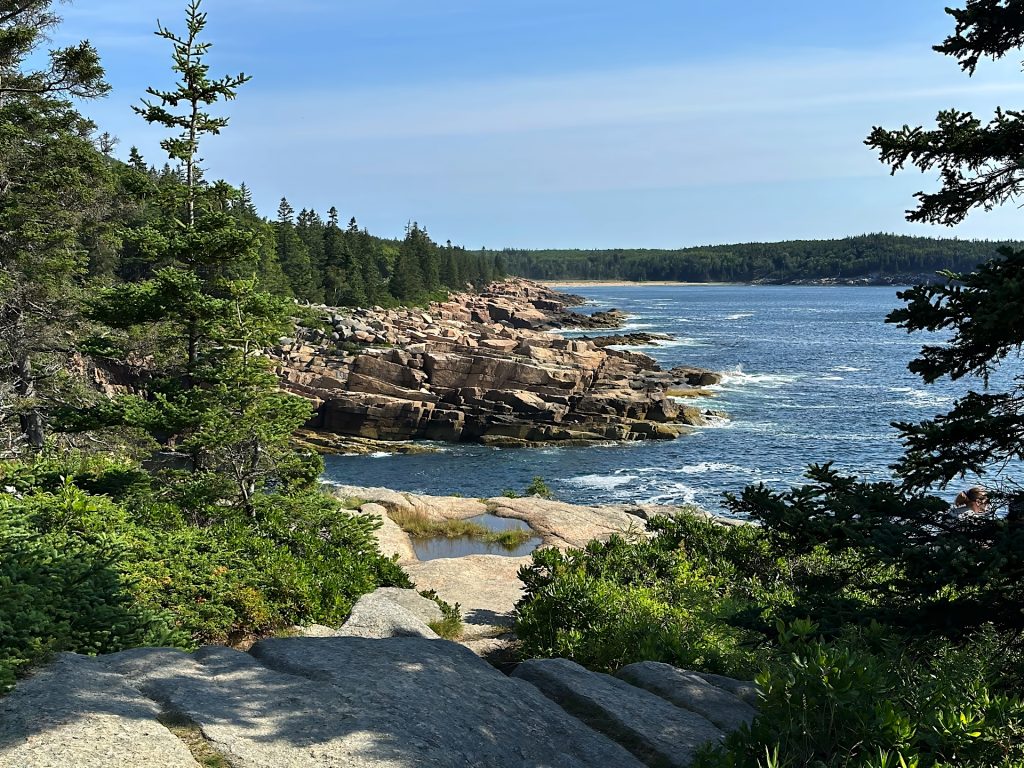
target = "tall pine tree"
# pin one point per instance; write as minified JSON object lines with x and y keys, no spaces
{"x":52,"y":183}
{"x":213,"y":397}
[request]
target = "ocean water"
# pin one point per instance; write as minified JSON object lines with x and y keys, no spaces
{"x":813,"y":374}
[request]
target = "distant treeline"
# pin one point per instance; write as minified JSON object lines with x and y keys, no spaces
{"x":875,"y":256}
{"x":304,"y":254}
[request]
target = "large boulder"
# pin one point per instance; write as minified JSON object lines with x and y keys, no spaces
{"x":403,"y":701}
{"x":375,"y":615}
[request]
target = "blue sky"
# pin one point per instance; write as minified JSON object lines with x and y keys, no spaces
{"x":564,"y":123}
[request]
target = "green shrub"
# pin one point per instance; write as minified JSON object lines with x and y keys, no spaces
{"x":865,"y":700}
{"x":62,"y":586}
{"x":538,"y":487}
{"x":622,"y":601}
{"x":449,"y":626}
{"x":94,"y":573}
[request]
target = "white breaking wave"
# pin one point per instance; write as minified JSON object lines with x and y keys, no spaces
{"x":608,"y":482}
{"x":716,"y":422}
{"x":830,"y":378}
{"x":674,"y":493}
{"x":920,"y":398}
{"x":712,"y":466}
{"x":771,"y":380}
{"x":632,"y":327}
{"x":738,"y":316}
{"x":848,"y":369}
{"x":380,"y":455}
{"x":658,"y":344}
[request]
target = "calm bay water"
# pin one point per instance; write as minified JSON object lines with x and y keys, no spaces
{"x":813,"y":374}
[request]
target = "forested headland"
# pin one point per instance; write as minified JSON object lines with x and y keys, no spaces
{"x":882,"y":258}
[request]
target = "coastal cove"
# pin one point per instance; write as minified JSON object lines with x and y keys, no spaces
{"x":813,"y":374}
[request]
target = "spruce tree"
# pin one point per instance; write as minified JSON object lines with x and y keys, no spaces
{"x":928,"y":569}
{"x":212,"y":396}
{"x":53,"y":182}
{"x":293,"y":255}
{"x":406,"y":283}
{"x":980,"y":166}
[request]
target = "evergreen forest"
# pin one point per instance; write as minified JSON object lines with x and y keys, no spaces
{"x":878,"y":258}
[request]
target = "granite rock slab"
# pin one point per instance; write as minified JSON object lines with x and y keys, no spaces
{"x":690,"y":691}
{"x":653,"y":729}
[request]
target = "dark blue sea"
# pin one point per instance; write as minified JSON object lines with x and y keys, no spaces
{"x":814,"y":374}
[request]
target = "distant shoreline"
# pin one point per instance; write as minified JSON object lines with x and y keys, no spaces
{"x":623,"y":283}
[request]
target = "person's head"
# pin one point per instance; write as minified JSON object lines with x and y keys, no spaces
{"x":977,"y":499}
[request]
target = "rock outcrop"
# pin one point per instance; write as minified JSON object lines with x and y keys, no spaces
{"x":307,"y":702}
{"x":652,"y":728}
{"x":77,"y":713}
{"x":477,"y":368}
{"x":691,"y":691}
{"x":391,"y":613}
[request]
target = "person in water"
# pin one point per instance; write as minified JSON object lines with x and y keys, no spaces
{"x":972,"y":502}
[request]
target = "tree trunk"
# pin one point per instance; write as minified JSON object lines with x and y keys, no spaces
{"x":25,"y":387}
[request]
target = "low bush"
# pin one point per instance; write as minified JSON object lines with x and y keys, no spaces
{"x":839,"y":689}
{"x":629,"y":600}
{"x":867,"y":700}
{"x":96,"y":573}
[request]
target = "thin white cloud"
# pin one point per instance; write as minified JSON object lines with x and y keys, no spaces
{"x":807,"y":82}
{"x":795,"y":121}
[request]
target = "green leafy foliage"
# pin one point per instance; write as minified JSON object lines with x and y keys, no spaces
{"x":538,"y":487}
{"x":96,"y":573}
{"x":866,"y":701}
{"x":629,"y":600}
{"x":63,"y":585}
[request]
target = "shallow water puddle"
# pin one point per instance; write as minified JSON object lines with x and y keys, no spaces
{"x":432,"y":549}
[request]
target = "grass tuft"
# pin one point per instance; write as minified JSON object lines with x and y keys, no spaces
{"x":419,"y":526}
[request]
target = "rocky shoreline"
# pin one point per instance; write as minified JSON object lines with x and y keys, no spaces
{"x":481,"y":368}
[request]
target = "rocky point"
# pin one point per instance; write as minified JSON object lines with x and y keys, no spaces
{"x":480,"y":367}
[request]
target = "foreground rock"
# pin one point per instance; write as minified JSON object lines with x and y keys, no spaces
{"x":654,"y":730}
{"x":355,"y":702}
{"x":359,"y":702}
{"x":75,"y":713}
{"x":396,"y":698}
{"x":690,"y":691}
{"x":476,"y":368}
